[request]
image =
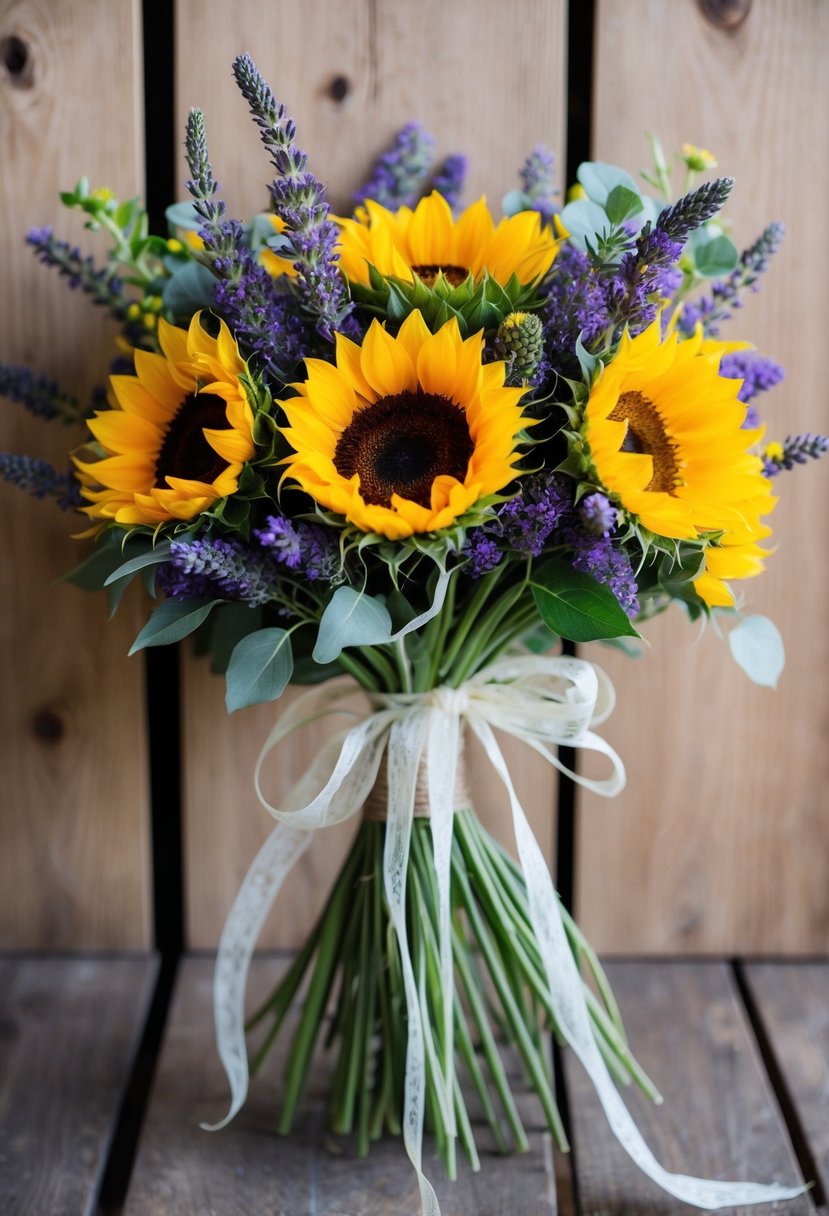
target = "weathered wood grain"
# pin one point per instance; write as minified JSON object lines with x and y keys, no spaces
{"x":69,"y":1029}
{"x":74,"y":862}
{"x":485,"y":79}
{"x":246,"y":1167}
{"x":719,"y":1118}
{"x":725,"y":810}
{"x":792,"y":1000}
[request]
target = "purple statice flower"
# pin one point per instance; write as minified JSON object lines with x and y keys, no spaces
{"x":298,"y":198}
{"x":575,"y":305}
{"x":450,"y":178}
{"x":527,"y":521}
{"x":724,"y":296}
{"x":598,"y":557}
{"x":538,"y":181}
{"x":598,"y":515}
{"x":399,"y":175}
{"x":39,"y":395}
{"x":205,"y":569}
{"x":797,"y":449}
{"x":757,"y":373}
{"x":40,"y":479}
{"x":306,"y":548}
{"x":98,"y":282}
{"x":482,"y":552}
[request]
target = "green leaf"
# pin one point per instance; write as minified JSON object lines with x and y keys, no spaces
{"x":259,"y":669}
{"x":172,"y":621}
{"x":161,"y":553}
{"x":757,"y":647}
{"x":228,"y":625}
{"x":184,"y":215}
{"x":599,"y":179}
{"x":584,"y":220}
{"x":575,"y":606}
{"x":351,"y":618}
{"x":621,"y":204}
{"x":515,"y":201}
{"x":715,"y":257}
{"x":108,"y":555}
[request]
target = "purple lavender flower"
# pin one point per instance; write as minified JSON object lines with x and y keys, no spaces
{"x":203,"y":569}
{"x":575,"y":304}
{"x":39,"y":395}
{"x":399,"y":175}
{"x":527,"y":521}
{"x":757,"y":373}
{"x":598,"y":515}
{"x":797,"y":449}
{"x":40,"y":479}
{"x":306,"y":548}
{"x":597,"y":556}
{"x":98,"y":282}
{"x":538,"y":181}
{"x":724,"y":297}
{"x":482,"y":552}
{"x":450,"y":179}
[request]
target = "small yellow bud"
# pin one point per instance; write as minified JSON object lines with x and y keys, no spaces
{"x":698,"y":159}
{"x":193,"y":239}
{"x":774,"y":451}
{"x":153,"y":303}
{"x":514,"y":320}
{"x":133,"y":312}
{"x":102,"y":194}
{"x":150,"y":320}
{"x":576,"y":192}
{"x":175,"y":246}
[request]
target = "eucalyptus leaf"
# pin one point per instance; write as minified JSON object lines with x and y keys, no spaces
{"x":260,"y":668}
{"x":716,"y":257}
{"x":575,"y":606}
{"x":107,"y":556}
{"x":584,"y":220}
{"x":172,"y":621}
{"x":184,"y":215}
{"x":351,"y":618}
{"x":161,"y":553}
{"x":599,"y":179}
{"x":757,"y":647}
{"x":515,"y":201}
{"x":622,"y":204}
{"x":189,"y":288}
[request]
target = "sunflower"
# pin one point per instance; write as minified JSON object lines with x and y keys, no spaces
{"x":429,"y":241}
{"x":667,"y":441}
{"x":179,"y":434}
{"x":403,"y":434}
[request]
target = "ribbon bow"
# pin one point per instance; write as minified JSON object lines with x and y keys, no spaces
{"x":544,"y":701}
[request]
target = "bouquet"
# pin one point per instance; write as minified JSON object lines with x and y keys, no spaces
{"x":408,"y":457}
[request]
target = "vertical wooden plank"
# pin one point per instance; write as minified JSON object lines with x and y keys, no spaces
{"x":719,"y":841}
{"x":74,"y":863}
{"x":486,"y":79}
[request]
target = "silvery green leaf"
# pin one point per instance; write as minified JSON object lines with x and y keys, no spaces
{"x":599,"y":178}
{"x":188,"y":289}
{"x":260,"y":668}
{"x":757,"y":647}
{"x":161,"y":553}
{"x":184,"y":215}
{"x":351,"y":618}
{"x":515,"y":201}
{"x":172,"y":621}
{"x":584,"y":220}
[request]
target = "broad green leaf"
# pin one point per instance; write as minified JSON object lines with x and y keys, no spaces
{"x":351,"y":618}
{"x":188,"y":289}
{"x":715,"y":257}
{"x":622,"y":204}
{"x":184,"y":215}
{"x":584,"y":220}
{"x":259,"y":669}
{"x":757,"y":647}
{"x":172,"y":621}
{"x":575,"y":606}
{"x":599,"y":178}
{"x":161,"y":553}
{"x":515,"y":201}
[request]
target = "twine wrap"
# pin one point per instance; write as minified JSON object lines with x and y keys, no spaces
{"x":544,"y":701}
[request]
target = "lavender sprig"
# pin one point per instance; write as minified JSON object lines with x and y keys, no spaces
{"x":40,"y":479}
{"x":259,"y":314}
{"x":198,"y":569}
{"x":298,"y":199}
{"x":101,"y":284}
{"x":757,"y":373}
{"x":647,"y":272}
{"x":450,"y":178}
{"x":538,"y":181}
{"x":39,"y":395}
{"x":797,"y":449}
{"x":724,"y":298}
{"x":399,"y":175}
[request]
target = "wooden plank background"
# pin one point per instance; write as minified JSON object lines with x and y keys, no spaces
{"x":720,"y":840}
{"x":74,"y":862}
{"x":719,"y":843}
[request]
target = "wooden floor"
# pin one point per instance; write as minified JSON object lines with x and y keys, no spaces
{"x":103,"y":1088}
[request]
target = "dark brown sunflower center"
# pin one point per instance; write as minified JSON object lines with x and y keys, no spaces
{"x":401,"y":443}
{"x":647,"y":435}
{"x":184,"y":450}
{"x":454,"y":275}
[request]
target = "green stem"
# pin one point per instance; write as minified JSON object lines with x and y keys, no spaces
{"x":470,"y":615}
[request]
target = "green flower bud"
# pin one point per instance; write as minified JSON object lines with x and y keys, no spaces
{"x":520,"y":343}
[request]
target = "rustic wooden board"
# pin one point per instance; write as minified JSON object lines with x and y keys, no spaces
{"x":719,"y":1118}
{"x":725,"y":810}
{"x":485,"y":79}
{"x":74,"y":863}
{"x":793,"y":1002}
{"x":246,"y":1167}
{"x":69,"y":1030}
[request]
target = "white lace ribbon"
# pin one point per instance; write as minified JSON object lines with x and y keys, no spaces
{"x":544,"y":701}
